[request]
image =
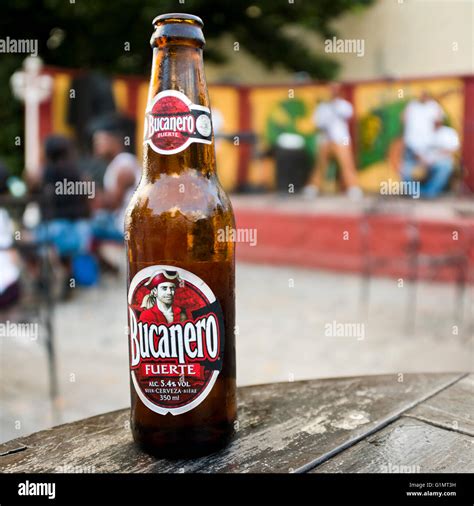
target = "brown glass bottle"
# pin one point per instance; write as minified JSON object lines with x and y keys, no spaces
{"x":177,"y":218}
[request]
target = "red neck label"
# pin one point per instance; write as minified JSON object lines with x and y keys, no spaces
{"x":173,"y":122}
{"x":176,"y":334}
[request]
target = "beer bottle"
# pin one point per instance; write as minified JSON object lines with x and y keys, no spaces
{"x":181,"y":268}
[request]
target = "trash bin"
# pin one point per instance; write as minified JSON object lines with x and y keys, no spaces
{"x":293,"y":162}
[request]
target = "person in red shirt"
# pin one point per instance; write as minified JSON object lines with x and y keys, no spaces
{"x":159,"y":304}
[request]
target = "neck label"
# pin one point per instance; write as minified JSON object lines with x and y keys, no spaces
{"x":173,"y":122}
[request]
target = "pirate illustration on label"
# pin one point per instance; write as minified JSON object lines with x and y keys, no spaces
{"x":176,"y":338}
{"x":159,"y":303}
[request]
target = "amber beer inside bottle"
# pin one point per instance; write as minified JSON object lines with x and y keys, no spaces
{"x":174,"y":219}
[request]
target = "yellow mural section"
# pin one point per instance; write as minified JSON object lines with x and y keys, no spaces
{"x":120,"y":91}
{"x":225,"y":99}
{"x":264,"y":102}
{"x":60,"y":100}
{"x":142,"y":100}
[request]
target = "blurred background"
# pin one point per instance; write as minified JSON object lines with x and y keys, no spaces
{"x":344,"y":135}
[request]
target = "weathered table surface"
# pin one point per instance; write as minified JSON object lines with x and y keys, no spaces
{"x":392,"y":423}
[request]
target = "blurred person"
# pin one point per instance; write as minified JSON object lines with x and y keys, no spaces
{"x":9,"y":258}
{"x":121,"y":177}
{"x":67,"y":192}
{"x":64,"y":204}
{"x":419,"y":119}
{"x":332,"y":120}
{"x":438,"y":160}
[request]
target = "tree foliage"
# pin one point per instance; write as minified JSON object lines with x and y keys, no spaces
{"x":79,"y":33}
{"x":113,"y":35}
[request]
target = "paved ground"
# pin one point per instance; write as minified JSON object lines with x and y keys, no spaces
{"x":289,"y":324}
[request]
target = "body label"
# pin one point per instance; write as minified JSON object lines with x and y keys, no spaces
{"x":173,"y":122}
{"x":176,"y":333}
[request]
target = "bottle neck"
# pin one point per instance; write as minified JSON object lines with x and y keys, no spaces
{"x":179,"y":67}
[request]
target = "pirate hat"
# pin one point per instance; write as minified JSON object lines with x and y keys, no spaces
{"x":163,"y":276}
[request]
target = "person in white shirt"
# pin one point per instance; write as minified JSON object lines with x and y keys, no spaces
{"x":438,"y":159}
{"x":120,"y":179}
{"x":419,"y":119}
{"x":332,"y":120}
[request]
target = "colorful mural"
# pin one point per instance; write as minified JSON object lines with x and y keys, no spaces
{"x":268,"y":111}
{"x":378,"y":112}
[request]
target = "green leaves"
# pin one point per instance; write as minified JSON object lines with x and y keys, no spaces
{"x":95,"y":32}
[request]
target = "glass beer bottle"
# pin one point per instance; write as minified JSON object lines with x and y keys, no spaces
{"x":181,"y":268}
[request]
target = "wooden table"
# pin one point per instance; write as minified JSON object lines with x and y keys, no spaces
{"x":393,"y":423}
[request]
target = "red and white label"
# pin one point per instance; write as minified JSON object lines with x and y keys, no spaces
{"x":176,"y":335}
{"x":173,"y":122}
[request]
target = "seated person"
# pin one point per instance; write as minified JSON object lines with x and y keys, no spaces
{"x":437,"y":161}
{"x":65,"y":207}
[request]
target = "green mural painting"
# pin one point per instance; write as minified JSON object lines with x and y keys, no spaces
{"x":376,"y":132}
{"x":284,"y":118}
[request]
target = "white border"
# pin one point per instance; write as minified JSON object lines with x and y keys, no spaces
{"x":205,"y":289}
{"x":187,"y":101}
